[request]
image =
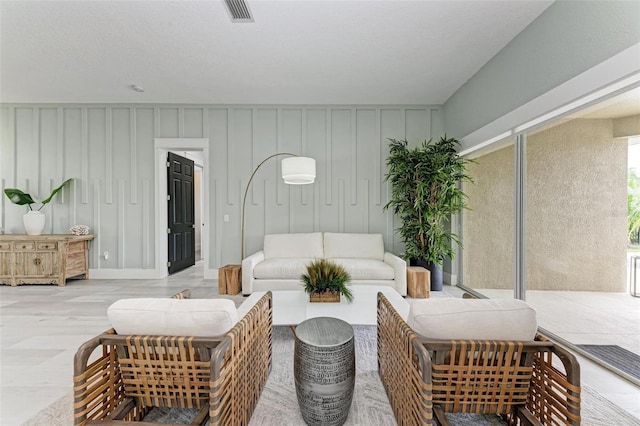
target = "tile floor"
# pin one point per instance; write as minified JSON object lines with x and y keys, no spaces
{"x":42,"y":326}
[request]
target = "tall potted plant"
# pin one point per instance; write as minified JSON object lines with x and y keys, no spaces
{"x":425,"y":193}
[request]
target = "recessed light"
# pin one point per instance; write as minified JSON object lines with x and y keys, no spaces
{"x":137,"y":88}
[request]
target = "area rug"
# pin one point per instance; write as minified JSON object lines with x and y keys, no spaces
{"x":620,"y":358}
{"x":278,"y":404}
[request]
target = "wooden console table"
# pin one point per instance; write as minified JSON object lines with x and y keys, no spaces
{"x":43,"y":259}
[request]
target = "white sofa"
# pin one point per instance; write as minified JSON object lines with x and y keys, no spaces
{"x":285,"y":257}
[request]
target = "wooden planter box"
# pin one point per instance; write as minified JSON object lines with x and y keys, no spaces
{"x":327,"y":296}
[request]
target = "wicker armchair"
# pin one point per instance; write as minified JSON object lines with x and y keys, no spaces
{"x":425,"y":378}
{"x":221,"y":376}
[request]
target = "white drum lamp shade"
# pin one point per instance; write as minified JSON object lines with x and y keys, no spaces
{"x":295,"y":171}
{"x":298,"y":170}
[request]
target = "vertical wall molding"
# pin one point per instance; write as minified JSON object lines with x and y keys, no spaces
{"x":12,"y":143}
{"x":353,"y":158}
{"x":108,"y":156}
{"x":328,"y":160}
{"x":304,"y":151}
{"x":38,"y":142}
{"x":146,"y":228}
{"x":84,"y":154}
{"x":97,"y":204}
{"x":365,"y":205}
{"x":230,"y":152}
{"x":122,"y":223}
{"x":378,"y":175}
{"x":341,"y":206}
{"x":73,"y":208}
{"x":60,"y":147}
{"x":181,"y":122}
{"x":133,"y":155}
{"x":279,"y":128}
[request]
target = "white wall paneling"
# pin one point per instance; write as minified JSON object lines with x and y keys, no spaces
{"x":116,"y":155}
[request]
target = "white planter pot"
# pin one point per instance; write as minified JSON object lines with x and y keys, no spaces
{"x":33,"y":222}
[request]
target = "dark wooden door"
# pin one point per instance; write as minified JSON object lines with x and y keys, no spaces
{"x":181,"y":227}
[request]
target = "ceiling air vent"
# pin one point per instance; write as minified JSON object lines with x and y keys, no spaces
{"x":239,"y":11}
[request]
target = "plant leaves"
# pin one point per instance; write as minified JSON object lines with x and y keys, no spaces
{"x":425,"y":192}
{"x":18,"y":197}
{"x":55,"y":191}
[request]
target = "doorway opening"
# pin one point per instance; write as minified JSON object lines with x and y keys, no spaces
{"x":196,"y":149}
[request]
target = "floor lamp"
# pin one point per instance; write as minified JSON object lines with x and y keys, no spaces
{"x":295,"y":171}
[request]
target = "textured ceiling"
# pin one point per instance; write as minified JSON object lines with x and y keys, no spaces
{"x":296,"y":52}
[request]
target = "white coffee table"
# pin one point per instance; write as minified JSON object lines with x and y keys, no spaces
{"x":291,"y":307}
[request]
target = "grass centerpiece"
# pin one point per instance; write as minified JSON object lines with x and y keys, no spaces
{"x":325,"y":281}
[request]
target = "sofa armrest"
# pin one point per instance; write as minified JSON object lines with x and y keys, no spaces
{"x":400,"y":268}
{"x":247,"y":271}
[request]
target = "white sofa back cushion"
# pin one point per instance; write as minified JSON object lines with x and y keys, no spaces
{"x":173,"y":317}
{"x":354,"y":246}
{"x":293,"y":246}
{"x":475,"y":319}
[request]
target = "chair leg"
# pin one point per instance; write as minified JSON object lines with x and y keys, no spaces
{"x":526,"y":417}
{"x":122,"y":409}
{"x":440,"y":417}
{"x":203,"y":415}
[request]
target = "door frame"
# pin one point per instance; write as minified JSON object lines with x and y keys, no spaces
{"x":161,"y":147}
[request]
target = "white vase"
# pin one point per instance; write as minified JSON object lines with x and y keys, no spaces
{"x":33,"y":222}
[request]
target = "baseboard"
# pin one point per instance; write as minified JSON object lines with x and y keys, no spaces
{"x":211,"y":274}
{"x":450,"y":279}
{"x":140,"y":274}
{"x":127,"y":274}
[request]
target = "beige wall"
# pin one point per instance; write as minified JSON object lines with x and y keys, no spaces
{"x":577,"y":207}
{"x":488,"y":226}
{"x":576,"y":212}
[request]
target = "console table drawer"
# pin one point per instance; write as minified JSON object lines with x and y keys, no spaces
{"x":24,"y":246}
{"x":5,"y":246}
{"x":47,"y":246}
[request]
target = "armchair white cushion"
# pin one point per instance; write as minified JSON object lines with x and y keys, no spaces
{"x":475,"y":319}
{"x":173,"y":317}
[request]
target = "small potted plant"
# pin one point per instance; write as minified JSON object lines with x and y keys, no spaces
{"x":33,"y":219}
{"x":325,"y":281}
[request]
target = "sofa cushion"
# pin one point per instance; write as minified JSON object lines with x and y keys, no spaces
{"x":354,"y":246}
{"x":278,"y":246}
{"x":173,"y":317}
{"x":477,"y":319}
{"x":366,"y":269}
{"x":281,"y":268}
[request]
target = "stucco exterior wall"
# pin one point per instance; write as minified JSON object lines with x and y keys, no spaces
{"x":576,"y":212}
{"x":487,"y":229}
{"x":577,"y":207}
